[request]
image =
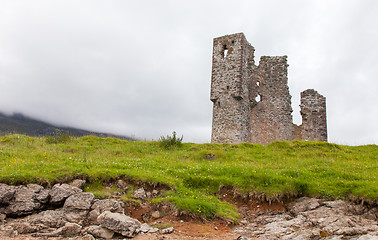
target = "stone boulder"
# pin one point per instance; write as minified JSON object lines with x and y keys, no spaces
{"x":47,"y":219}
{"x":6,"y":193}
{"x":167,"y":230}
{"x":303,"y":204}
{"x":100,"y":206}
{"x":68,"y":230}
{"x":23,"y":200}
{"x":145,"y":228}
{"x":99,"y":232}
{"x":79,"y":201}
{"x":24,"y":227}
{"x":140,"y":194}
{"x":122,"y":185}
{"x":78,"y":183}
{"x":120,"y":223}
{"x":60,"y":192}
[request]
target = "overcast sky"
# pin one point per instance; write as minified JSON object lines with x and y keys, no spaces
{"x":143,"y":68}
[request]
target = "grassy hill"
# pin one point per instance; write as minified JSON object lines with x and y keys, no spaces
{"x":20,"y":124}
{"x":195,"y":172}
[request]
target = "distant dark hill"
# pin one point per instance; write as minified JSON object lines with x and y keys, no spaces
{"x":20,"y":124}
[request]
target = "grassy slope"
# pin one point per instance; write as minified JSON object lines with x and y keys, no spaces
{"x":196,"y":171}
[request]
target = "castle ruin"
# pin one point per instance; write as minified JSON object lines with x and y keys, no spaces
{"x":252,"y":103}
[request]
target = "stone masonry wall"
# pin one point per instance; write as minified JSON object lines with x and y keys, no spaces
{"x":252,"y":103}
{"x":271,"y":118}
{"x":314,"y":118}
{"x":232,"y":57}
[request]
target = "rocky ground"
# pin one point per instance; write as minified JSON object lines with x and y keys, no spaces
{"x":66,"y":212}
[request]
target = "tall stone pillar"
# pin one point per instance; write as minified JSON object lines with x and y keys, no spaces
{"x":314,"y":118}
{"x":230,"y":83}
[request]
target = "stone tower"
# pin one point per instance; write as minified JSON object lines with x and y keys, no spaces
{"x":252,"y":103}
{"x":230,"y":85}
{"x":314,"y":118}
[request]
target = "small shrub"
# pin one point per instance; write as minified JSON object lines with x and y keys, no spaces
{"x":58,"y":137}
{"x":170,"y":142}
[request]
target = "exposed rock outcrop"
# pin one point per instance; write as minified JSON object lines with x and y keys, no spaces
{"x":120,"y":223}
{"x":66,"y":211}
{"x":71,"y":213}
{"x":310,"y":218}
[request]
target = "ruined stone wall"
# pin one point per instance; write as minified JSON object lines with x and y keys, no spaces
{"x":252,"y":103}
{"x":314,"y":118}
{"x":230,"y":84}
{"x":271,"y":118}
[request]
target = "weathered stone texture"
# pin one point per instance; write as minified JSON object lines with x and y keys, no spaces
{"x":271,"y":118}
{"x":252,"y":103}
{"x":314,"y":119}
{"x":230,"y":84}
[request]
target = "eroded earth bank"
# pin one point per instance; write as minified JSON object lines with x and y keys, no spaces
{"x":65,"y":211}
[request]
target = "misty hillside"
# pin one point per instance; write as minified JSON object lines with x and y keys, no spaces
{"x":20,"y":124}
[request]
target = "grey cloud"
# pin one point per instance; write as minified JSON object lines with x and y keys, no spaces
{"x":143,"y":67}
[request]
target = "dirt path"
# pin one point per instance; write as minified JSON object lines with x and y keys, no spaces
{"x":183,"y":231}
{"x":194,"y":230}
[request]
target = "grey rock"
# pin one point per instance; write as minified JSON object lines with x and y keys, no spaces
{"x":6,"y":193}
{"x":119,"y":223}
{"x":100,"y":206}
{"x":60,"y":192}
{"x":92,"y":217}
{"x":148,"y":194}
{"x":155,"y":214}
{"x":49,"y":219}
{"x":339,"y":204}
{"x":9,"y":231}
{"x":43,"y":196}
{"x":122,"y":185}
{"x":167,"y":230}
{"x":78,"y":183}
{"x":366,"y":237}
{"x":356,"y":209}
{"x":140,"y":194}
{"x":155,"y":192}
{"x":266,"y":219}
{"x":372,"y":214}
{"x":35,"y":187}
{"x":68,"y":230}
{"x":145,"y":228}
{"x":110,"y":205}
{"x":351,"y":231}
{"x":243,"y":222}
{"x":87,"y":237}
{"x":303,"y":234}
{"x":312,"y":219}
{"x":24,"y":227}
{"x":303,"y":204}
{"x":23,"y":202}
{"x":80,"y":201}
{"x":99,"y":232}
{"x":75,"y":216}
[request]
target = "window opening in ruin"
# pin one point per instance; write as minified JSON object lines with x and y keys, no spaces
{"x":225,"y":51}
{"x":258,"y":98}
{"x":228,"y":87}
{"x":218,"y":103}
{"x":233,"y":41}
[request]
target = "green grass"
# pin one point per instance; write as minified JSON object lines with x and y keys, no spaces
{"x":196,"y":171}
